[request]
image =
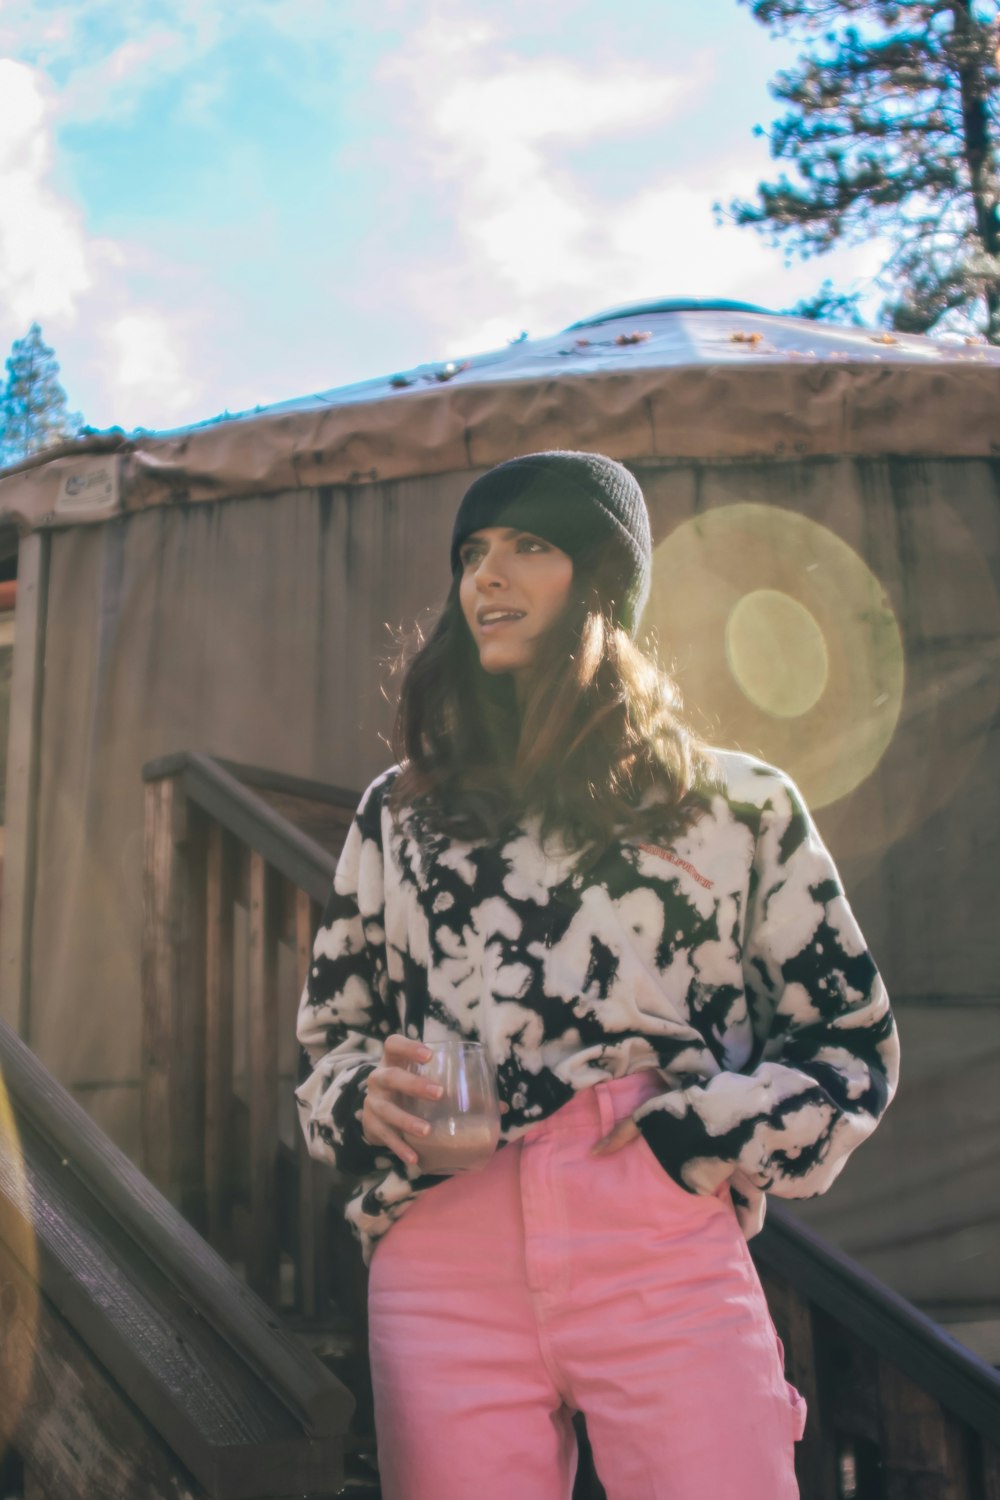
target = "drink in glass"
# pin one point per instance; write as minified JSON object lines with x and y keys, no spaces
{"x":465,"y":1121}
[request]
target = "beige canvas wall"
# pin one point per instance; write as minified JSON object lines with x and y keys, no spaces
{"x":252,"y":630}
{"x":255,"y":630}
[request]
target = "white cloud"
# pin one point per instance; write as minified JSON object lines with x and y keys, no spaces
{"x":107,"y":53}
{"x":497,"y":116}
{"x":667,"y":236}
{"x":494,"y":126}
{"x":110,"y":54}
{"x":122,"y":74}
{"x":111,"y":84}
{"x":134,"y":359}
{"x":507,"y":137}
{"x":147,"y":368}
{"x":43,"y":256}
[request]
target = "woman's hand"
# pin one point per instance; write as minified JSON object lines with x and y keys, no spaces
{"x":626,"y":1130}
{"x":383,"y":1121}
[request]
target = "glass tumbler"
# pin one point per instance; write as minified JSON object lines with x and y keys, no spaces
{"x":465,"y":1121}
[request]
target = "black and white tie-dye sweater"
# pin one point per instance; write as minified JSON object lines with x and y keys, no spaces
{"x":730,"y":961}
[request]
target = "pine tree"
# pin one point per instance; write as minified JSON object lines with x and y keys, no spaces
{"x":33,"y":409}
{"x":892,"y":128}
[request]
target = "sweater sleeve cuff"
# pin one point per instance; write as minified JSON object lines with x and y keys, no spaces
{"x":355,"y":1155}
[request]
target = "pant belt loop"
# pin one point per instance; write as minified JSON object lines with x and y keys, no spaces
{"x":606,"y":1107}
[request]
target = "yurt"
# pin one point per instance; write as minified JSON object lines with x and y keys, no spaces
{"x":826,"y":513}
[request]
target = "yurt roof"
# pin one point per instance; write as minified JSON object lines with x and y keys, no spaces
{"x":679,"y":379}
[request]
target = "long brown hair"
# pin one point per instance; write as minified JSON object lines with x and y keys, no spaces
{"x":597,"y":746}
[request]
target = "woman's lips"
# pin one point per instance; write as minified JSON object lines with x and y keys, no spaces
{"x":490,"y":620}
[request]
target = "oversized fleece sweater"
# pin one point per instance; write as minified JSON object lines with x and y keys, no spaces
{"x":729,"y":960}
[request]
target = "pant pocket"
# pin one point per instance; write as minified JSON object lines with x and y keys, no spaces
{"x":798,"y":1411}
{"x":665,"y":1184}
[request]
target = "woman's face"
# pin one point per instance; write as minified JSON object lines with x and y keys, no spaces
{"x":513,"y":588}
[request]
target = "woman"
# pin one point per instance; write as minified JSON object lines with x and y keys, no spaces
{"x":653,"y":944}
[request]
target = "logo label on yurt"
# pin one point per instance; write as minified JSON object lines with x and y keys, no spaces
{"x":90,"y":490}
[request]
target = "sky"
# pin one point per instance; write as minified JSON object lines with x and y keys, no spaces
{"x":210,"y":207}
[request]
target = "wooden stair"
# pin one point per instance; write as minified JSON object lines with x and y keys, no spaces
{"x":133,"y":1362}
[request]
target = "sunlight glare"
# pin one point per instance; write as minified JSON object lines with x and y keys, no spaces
{"x":784,"y":642}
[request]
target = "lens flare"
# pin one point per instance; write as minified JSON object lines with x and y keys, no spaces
{"x":776,"y":652}
{"x":784,"y":643}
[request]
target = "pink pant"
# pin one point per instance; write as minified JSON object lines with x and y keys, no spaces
{"x":552,"y":1281}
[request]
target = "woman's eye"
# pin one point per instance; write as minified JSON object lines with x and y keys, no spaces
{"x":532,"y":544}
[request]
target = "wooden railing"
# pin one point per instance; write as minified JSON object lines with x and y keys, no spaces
{"x":133,"y":1363}
{"x":898,"y":1410}
{"x":217,"y":849}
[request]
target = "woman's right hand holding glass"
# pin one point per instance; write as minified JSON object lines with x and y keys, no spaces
{"x":383,"y":1119}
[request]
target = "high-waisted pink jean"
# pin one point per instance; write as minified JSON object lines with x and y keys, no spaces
{"x":553,"y":1281}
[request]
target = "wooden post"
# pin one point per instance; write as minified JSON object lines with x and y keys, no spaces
{"x":173,"y":994}
{"x":262,"y":1078}
{"x":219,"y":900}
{"x":23,"y":753}
{"x":922,"y":1446}
{"x":991,"y":1469}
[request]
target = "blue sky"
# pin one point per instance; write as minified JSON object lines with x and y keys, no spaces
{"x":211,"y":206}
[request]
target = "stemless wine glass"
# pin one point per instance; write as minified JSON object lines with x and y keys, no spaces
{"x":465,"y":1121}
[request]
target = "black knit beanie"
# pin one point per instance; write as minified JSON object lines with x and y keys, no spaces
{"x":588,"y":505}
